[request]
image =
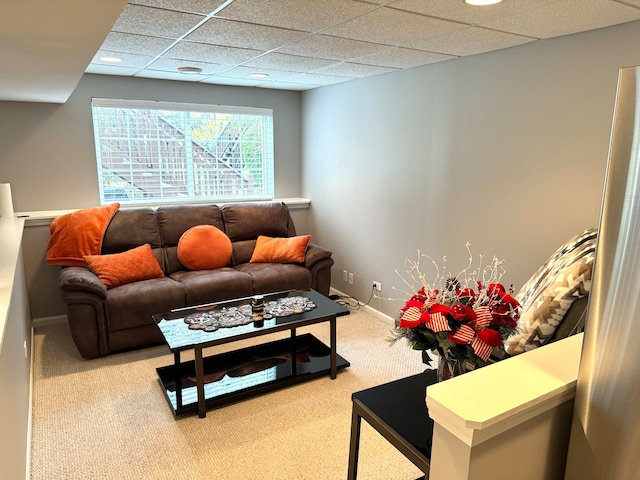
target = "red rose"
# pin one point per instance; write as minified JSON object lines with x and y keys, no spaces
{"x":495,"y":289}
{"x":439,"y":308}
{"x":510,"y":300}
{"x":490,"y":337}
{"x":462,"y":312}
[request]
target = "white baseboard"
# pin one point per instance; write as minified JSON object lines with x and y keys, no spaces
{"x":44,"y":321}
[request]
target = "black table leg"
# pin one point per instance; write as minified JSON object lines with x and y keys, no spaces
{"x":294,"y":355}
{"x":354,"y":443}
{"x":334,"y":354}
{"x":178,"y":380}
{"x":202,"y":404}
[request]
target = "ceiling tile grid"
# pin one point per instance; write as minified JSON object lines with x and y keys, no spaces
{"x":305,"y":44}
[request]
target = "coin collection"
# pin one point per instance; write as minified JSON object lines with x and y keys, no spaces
{"x":212,"y":320}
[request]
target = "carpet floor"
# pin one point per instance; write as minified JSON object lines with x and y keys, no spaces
{"x":107,"y":418}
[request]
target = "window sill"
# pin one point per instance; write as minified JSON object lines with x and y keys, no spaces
{"x":45,"y":217}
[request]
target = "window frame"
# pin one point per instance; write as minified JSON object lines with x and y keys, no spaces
{"x":266,"y":148}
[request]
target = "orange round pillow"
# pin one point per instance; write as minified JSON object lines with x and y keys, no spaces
{"x":204,"y":247}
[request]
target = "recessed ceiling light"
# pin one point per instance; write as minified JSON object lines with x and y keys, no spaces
{"x":190,"y":70}
{"x":258,"y":75}
{"x":482,"y":2}
{"x":110,"y":59}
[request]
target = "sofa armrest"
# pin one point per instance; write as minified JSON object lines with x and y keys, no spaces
{"x":319,"y":262}
{"x":314,"y":255}
{"x":81,"y":279}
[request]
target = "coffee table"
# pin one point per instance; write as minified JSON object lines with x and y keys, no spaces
{"x":223,"y":378}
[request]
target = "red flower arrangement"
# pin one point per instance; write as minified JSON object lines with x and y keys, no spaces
{"x":460,"y":323}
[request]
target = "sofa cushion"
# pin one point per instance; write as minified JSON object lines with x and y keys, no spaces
{"x":132,"y":305}
{"x":280,"y":250}
{"x":206,"y":286}
{"x":132,"y":227}
{"x":121,"y":268}
{"x":275,"y":277}
{"x":204,"y":247}
{"x":245,"y":221}
{"x":174,"y":220}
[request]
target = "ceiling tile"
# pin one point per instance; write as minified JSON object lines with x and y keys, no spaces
{"x":240,"y":82}
{"x":128,"y":59}
{"x":566,"y":17}
{"x":317,"y":79}
{"x":288,"y":86}
{"x":218,"y":31}
{"x":243,"y":72}
{"x":473,"y":40}
{"x":330,"y":48}
{"x":303,"y":45}
{"x":169,"y":76}
{"x":203,"y":7}
{"x":459,"y":11}
{"x":353,"y":70}
{"x":130,"y":43}
{"x":155,"y":22}
{"x":211,"y":53}
{"x":172,"y":65}
{"x":111,"y":70}
{"x":310,"y":17}
{"x":394,"y":28}
{"x":402,"y":58}
{"x":280,"y":61}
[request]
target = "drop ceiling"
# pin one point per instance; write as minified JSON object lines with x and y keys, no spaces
{"x":304,"y":44}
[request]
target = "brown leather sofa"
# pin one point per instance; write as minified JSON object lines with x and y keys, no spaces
{"x":106,"y":320}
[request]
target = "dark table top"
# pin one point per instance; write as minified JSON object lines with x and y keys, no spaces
{"x":179,"y":337}
{"x":401,"y":404}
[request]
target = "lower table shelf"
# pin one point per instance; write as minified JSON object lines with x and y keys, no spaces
{"x":240,"y":374}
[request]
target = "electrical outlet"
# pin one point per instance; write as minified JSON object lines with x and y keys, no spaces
{"x":377,"y":286}
{"x":345,"y":276}
{"x":350,"y":278}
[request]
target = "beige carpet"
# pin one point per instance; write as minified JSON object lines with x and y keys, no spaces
{"x":108,"y":419}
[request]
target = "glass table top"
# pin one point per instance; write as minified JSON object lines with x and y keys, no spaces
{"x":222,"y":322}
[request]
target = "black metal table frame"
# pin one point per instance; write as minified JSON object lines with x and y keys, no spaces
{"x":199,"y":358}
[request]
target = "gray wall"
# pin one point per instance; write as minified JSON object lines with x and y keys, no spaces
{"x":505,"y":150}
{"x":47,"y":153}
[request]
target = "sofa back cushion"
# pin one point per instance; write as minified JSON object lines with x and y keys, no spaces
{"x":174,"y":220}
{"x":129,"y":228}
{"x":244,"y":222}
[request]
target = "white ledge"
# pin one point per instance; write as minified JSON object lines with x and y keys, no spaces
{"x":483,"y":403}
{"x":10,"y":242}
{"x":44,"y":217}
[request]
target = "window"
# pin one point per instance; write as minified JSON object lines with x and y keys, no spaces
{"x":158,"y":152}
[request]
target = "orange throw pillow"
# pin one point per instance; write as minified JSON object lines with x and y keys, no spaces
{"x":204,"y":247}
{"x":77,"y":234}
{"x":117,"y":269}
{"x":280,"y":250}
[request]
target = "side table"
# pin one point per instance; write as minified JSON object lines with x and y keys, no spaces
{"x":398,"y":411}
